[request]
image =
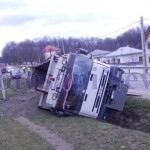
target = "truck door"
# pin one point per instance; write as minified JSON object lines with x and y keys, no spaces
{"x":94,"y":93}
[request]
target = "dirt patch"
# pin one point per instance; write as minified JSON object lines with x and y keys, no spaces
{"x":52,"y":138}
{"x":131,"y":122}
{"x":20,"y":105}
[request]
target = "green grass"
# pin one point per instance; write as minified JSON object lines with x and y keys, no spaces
{"x":136,"y":114}
{"x":91,"y":134}
{"x":137,"y":107}
{"x":13,"y":136}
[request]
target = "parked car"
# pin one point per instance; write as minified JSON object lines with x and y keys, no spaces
{"x":9,"y":69}
{"x":15,"y":74}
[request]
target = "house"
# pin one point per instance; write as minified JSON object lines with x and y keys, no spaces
{"x":99,"y":54}
{"x":125,"y":56}
{"x":49,"y":49}
{"x":147,"y":46}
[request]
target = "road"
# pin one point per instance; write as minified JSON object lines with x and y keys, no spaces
{"x":138,"y":84}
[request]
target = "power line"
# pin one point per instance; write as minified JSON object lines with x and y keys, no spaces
{"x":118,"y":29}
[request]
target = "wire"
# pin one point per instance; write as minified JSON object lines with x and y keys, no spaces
{"x":118,"y":29}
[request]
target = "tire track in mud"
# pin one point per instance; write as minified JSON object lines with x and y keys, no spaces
{"x":52,"y":138}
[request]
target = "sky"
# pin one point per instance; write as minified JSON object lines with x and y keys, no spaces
{"x":31,"y":19}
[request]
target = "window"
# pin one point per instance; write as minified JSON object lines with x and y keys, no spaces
{"x":108,"y":61}
{"x":148,"y":45}
{"x":79,"y":73}
{"x":149,"y":59}
{"x":113,"y":60}
{"x":118,"y":61}
{"x":140,"y":59}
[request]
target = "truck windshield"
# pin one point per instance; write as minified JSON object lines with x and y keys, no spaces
{"x":81,"y":71}
{"x":80,"y":77}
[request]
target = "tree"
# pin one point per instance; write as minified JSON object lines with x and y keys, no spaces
{"x":31,"y":50}
{"x":9,"y":53}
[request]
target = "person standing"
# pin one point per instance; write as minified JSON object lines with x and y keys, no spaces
{"x":29,"y":71}
{"x":24,"y":69}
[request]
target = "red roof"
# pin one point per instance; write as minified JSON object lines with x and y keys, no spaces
{"x":50,"y":48}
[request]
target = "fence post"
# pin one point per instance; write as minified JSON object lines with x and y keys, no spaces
{"x":2,"y":85}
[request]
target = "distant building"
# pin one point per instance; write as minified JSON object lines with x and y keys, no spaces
{"x":100,"y":54}
{"x":125,"y":56}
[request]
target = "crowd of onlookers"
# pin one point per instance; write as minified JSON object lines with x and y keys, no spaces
{"x":27,"y":69}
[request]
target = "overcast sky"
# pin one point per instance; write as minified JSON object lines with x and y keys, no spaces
{"x":29,"y":19}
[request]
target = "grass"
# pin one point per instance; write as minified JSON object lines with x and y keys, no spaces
{"x":13,"y":88}
{"x":136,"y":114}
{"x":137,"y":107}
{"x":13,"y":136}
{"x":87,"y":133}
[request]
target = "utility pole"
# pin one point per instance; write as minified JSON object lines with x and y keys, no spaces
{"x":63,"y":47}
{"x":143,"y":43}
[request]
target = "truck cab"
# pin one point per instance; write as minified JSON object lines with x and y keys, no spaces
{"x":76,"y":84}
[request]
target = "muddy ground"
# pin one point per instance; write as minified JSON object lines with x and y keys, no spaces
{"x":21,"y":104}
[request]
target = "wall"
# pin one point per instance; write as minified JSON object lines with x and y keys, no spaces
{"x":125,"y":58}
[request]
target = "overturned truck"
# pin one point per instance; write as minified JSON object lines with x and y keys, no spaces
{"x":76,"y":84}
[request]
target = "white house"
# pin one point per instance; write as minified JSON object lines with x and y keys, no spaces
{"x":125,"y":55}
{"x":100,"y":54}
